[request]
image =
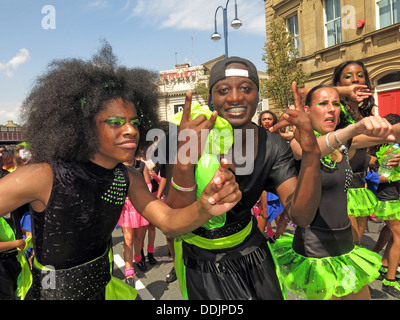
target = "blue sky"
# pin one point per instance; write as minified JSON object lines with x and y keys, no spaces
{"x":154,"y":34}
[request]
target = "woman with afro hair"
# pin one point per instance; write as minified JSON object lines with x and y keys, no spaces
{"x":83,"y":120}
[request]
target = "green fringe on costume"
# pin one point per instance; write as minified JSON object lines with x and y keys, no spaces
{"x":323,"y":278}
{"x":388,"y":210}
{"x":361,"y":202}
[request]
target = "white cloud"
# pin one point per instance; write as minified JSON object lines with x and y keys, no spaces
{"x":127,"y":4}
{"x":9,"y":110}
{"x":98,"y":4}
{"x":9,"y":67}
{"x":199,"y":14}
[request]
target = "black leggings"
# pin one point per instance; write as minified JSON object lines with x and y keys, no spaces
{"x":10,"y":268}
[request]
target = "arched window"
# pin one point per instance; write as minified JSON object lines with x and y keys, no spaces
{"x":391,"y":77}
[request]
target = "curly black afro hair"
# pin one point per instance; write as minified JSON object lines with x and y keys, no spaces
{"x":59,"y":113}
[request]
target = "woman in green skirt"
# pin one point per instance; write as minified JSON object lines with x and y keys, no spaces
{"x":320,"y":261}
{"x":388,"y":209}
{"x":361,"y":201}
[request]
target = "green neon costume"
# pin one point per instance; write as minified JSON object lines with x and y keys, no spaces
{"x":24,"y":277}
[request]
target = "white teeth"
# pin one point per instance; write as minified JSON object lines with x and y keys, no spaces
{"x":235,"y":110}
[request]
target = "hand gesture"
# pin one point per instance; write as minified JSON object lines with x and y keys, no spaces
{"x":190,"y":128}
{"x":297,"y":117}
{"x":374,"y":126}
{"x":358,"y":92}
{"x":222,"y":192}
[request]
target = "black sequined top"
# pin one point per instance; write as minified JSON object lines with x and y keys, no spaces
{"x":84,"y":206}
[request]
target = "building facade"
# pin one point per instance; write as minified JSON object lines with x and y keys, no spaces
{"x":328,"y":32}
{"x":11,"y":133}
{"x":173,"y":85}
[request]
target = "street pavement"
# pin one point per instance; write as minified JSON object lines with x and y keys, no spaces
{"x":151,"y":284}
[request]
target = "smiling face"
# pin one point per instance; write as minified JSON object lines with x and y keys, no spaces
{"x":235,"y":98}
{"x":324,"y":110}
{"x":117,"y":127}
{"x":352,"y":74}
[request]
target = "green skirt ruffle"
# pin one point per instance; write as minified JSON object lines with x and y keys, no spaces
{"x":388,"y":210}
{"x":361,"y":202}
{"x":323,"y":278}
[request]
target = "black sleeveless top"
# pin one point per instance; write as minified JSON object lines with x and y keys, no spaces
{"x":357,"y":164}
{"x":329,"y":234}
{"x":83,"y":209}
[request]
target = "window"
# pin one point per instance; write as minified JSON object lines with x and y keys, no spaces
{"x":178,"y":108}
{"x":293,"y":27}
{"x":333,"y":25}
{"x":389,"y":12}
{"x":391,"y":77}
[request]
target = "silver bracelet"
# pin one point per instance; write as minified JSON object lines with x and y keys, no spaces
{"x":327,"y":141}
{"x":337,"y":140}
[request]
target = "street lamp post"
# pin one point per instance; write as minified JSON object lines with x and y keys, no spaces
{"x":236,"y":24}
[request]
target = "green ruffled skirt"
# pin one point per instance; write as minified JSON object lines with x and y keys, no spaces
{"x":361,"y":202}
{"x":388,"y":210}
{"x":323,"y":278}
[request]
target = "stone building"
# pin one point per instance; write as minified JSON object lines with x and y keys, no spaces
{"x":11,"y":133}
{"x":328,"y":32}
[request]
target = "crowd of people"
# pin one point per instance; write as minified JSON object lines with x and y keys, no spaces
{"x":88,"y":172}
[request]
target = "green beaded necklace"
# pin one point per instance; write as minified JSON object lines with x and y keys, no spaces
{"x":347,"y":115}
{"x":327,"y":161}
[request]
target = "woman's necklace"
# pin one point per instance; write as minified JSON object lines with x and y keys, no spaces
{"x":328,"y":161}
{"x":347,"y":114}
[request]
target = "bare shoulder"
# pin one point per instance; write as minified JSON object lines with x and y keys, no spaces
{"x":134,"y":174}
{"x":136,"y":181}
{"x":37,"y":172}
{"x":28,"y":184}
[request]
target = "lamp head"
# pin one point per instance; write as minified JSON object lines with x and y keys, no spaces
{"x":216,"y":36}
{"x":236,"y":23}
